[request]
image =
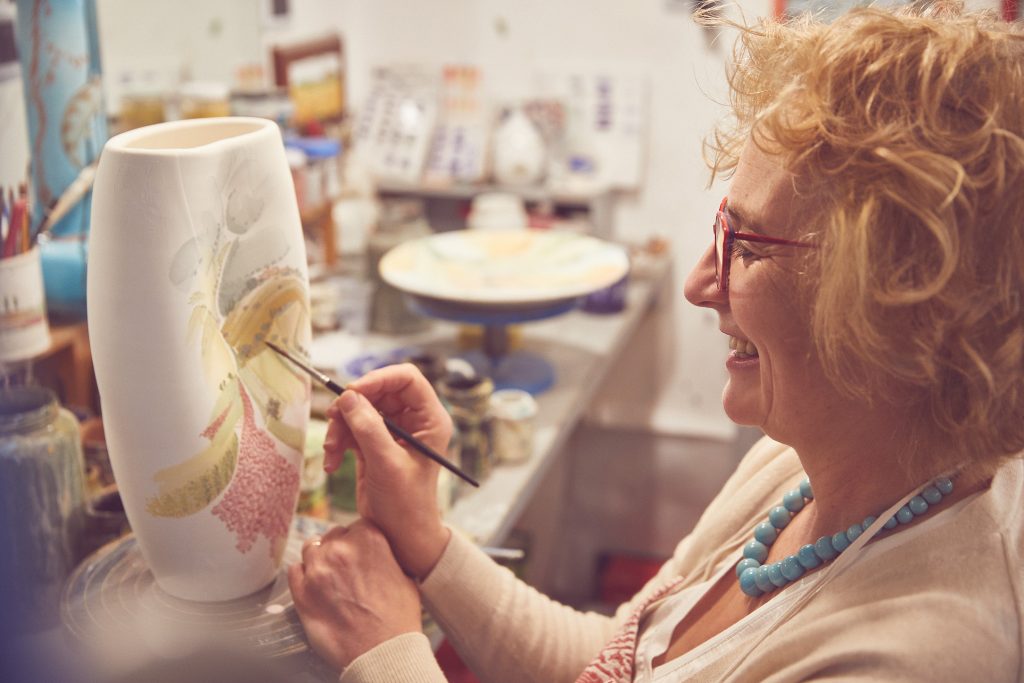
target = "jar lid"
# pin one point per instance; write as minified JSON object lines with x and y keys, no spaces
{"x":317,"y":148}
{"x":458,"y":385}
{"x":26,"y":407}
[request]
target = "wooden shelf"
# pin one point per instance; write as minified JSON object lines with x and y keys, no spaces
{"x":66,"y":367}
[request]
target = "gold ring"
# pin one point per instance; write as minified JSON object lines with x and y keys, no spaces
{"x":316,"y":543}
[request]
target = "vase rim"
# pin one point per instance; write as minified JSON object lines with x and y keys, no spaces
{"x":188,"y":136}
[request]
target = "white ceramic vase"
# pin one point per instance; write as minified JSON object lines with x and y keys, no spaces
{"x":519,"y":153}
{"x":196,"y":257}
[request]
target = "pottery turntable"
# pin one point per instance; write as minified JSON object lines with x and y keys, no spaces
{"x":112,"y":595}
{"x":497,"y":278}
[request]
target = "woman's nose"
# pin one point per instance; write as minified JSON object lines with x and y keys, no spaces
{"x":701,"y":288}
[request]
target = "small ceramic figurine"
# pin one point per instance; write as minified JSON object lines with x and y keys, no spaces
{"x":519,"y":154}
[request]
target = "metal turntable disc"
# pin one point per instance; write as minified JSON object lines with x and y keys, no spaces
{"x":113,"y":593}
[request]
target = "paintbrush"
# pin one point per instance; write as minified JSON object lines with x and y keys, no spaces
{"x":392,"y":427}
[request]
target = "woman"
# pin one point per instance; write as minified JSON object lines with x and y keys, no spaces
{"x":867,"y":268}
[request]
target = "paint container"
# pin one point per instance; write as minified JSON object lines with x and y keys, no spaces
{"x":105,"y":521}
{"x":512,"y":434}
{"x":204,"y":99}
{"x":42,"y":503}
{"x":401,"y":221}
{"x":24,"y":331}
{"x":467,"y":400}
{"x":99,"y":476}
{"x":434,"y":366}
{"x":313,"y":481}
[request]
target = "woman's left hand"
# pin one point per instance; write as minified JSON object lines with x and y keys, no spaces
{"x":350,"y":593}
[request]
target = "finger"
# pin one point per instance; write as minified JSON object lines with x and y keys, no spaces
{"x":367,"y":427}
{"x":404,"y":381}
{"x":333,"y":459}
{"x":336,"y":442}
{"x":310,"y":547}
{"x":296,"y":583}
{"x":338,"y":531}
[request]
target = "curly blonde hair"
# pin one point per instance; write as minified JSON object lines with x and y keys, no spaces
{"x":906,"y":128}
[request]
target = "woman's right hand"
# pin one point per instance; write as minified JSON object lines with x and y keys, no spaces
{"x":396,"y":486}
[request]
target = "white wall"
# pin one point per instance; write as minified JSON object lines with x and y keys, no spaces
{"x":172,"y":41}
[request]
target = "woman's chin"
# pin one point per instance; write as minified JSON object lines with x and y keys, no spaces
{"x":742,"y":407}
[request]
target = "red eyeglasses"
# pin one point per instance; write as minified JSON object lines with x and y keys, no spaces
{"x":724,"y":238}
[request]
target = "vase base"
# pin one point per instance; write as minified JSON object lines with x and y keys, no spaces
{"x":115,"y":589}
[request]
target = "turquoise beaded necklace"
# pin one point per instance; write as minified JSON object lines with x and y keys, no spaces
{"x":756,"y":578}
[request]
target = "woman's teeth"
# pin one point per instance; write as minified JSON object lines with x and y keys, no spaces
{"x":742,"y":347}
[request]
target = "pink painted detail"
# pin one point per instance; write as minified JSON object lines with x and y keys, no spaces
{"x":261,"y":496}
{"x":214,"y":427}
{"x":615,"y":663}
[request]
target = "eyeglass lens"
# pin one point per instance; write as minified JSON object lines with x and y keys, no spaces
{"x":720,"y":234}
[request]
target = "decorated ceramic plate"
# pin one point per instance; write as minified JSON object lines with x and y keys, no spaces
{"x":504,"y":268}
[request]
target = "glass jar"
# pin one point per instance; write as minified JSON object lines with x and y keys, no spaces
{"x":434,"y":368}
{"x":202,"y":99}
{"x":141,"y":105}
{"x":467,"y":399}
{"x":401,"y":220}
{"x":42,"y":499}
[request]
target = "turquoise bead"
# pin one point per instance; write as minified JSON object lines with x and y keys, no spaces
{"x":744,"y":564}
{"x":823,"y":549}
{"x":918,"y":505}
{"x":904,"y":515}
{"x":854,"y":532}
{"x":805,"y":489}
{"x":932,"y":495}
{"x":755,"y":550}
{"x":793,"y":501}
{"x":775,"y":575}
{"x":868,"y":521}
{"x":765,"y":533}
{"x":890,"y":523}
{"x":791,"y":568}
{"x":748,"y":583}
{"x":779,"y":517}
{"x":840,"y":542}
{"x":944,"y":485}
{"x":807,"y":557}
{"x":762,"y":580}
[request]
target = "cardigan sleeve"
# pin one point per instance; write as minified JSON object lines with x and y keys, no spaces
{"x":403,"y":659}
{"x":504,"y":629}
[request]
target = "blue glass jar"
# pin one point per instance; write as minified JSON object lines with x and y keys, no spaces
{"x":42,"y":505}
